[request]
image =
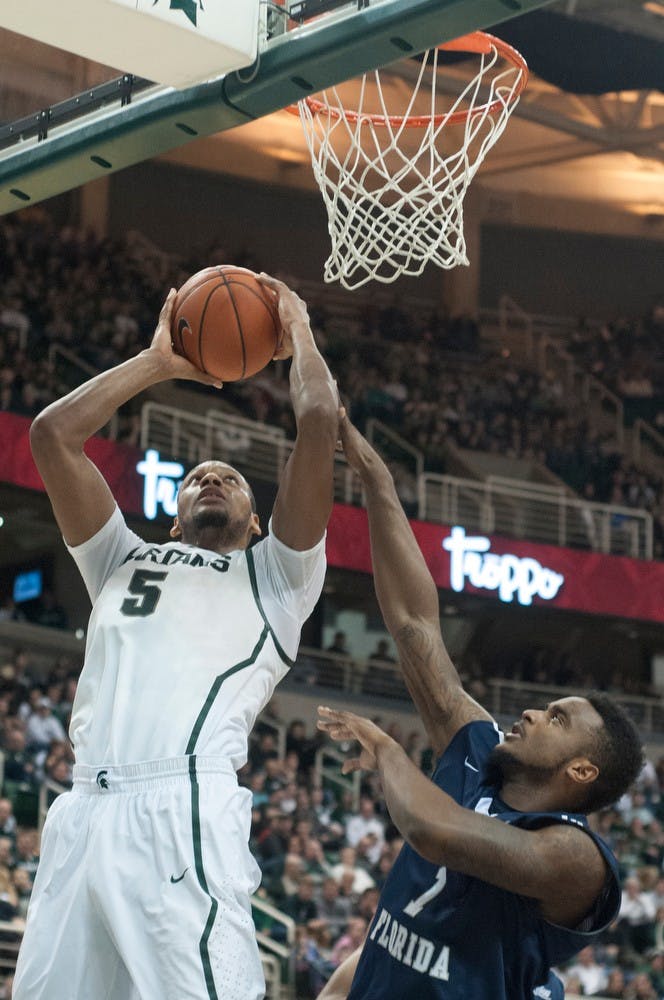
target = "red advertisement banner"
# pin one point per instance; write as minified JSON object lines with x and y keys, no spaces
{"x":116,"y":461}
{"x":513,"y":571}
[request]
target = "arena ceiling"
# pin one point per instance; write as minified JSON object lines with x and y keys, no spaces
{"x":590,"y":127}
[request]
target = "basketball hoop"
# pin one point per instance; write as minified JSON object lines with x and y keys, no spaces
{"x":392,"y":209}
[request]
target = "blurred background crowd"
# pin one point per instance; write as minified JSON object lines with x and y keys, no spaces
{"x":325,"y":849}
{"x":430,"y":377}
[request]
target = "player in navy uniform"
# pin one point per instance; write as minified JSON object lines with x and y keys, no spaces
{"x":501,"y":877}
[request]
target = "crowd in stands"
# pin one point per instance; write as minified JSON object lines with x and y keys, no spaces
{"x":324,"y":849}
{"x":628,"y":355}
{"x":425,"y":375}
{"x":33,"y":722}
{"x":324,"y":856}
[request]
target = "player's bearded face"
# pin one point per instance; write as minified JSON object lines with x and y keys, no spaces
{"x":220,"y":519}
{"x":502,"y":767}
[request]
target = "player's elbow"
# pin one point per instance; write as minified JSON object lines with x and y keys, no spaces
{"x":427,"y":840}
{"x":43,"y":431}
{"x":48,"y":432}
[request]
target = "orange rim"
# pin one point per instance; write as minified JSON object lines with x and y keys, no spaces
{"x":479,"y":42}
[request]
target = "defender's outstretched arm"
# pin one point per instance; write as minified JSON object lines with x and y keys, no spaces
{"x":408,"y":599}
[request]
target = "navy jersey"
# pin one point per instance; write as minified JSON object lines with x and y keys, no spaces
{"x":441,"y":935}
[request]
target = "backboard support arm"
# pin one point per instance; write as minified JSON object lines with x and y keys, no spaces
{"x":293,"y":65}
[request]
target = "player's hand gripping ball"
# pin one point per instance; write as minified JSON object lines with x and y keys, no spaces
{"x":226,"y":323}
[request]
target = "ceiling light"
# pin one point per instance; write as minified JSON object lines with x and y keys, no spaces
{"x":651,"y":209}
{"x":654,"y":7}
{"x":286,"y":155}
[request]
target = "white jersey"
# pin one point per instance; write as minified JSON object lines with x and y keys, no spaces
{"x":185,"y":646}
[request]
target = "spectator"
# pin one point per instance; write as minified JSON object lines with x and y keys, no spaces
{"x":303,"y":746}
{"x":51,"y":614}
{"x":615,"y":985}
{"x":312,"y":968}
{"x":10,"y":611}
{"x":301,"y":905}
{"x":8,"y":896}
{"x":19,"y":765}
{"x":590,"y":973}
{"x":367,"y":903}
{"x":382,"y":652}
{"x":332,"y":908}
{"x":335,"y":671}
{"x":314,"y":859}
{"x":358,"y":878}
{"x":26,"y":851}
{"x":640,"y":988}
{"x":23,"y":887}
{"x":43,"y":727}
{"x":339,"y":644}
{"x":7,"y":819}
{"x":286,"y":886}
{"x":637,"y":916}
{"x":31,"y":704}
{"x":366,"y":823}
{"x":348,"y":942}
{"x":6,"y":852}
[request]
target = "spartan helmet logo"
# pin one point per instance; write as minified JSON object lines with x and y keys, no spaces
{"x":101,"y":779}
{"x":188,"y":7}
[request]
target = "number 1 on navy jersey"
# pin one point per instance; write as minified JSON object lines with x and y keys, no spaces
{"x":146,"y":594}
{"x":417,"y":905}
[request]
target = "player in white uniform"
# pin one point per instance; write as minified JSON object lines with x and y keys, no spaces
{"x":145,"y":873}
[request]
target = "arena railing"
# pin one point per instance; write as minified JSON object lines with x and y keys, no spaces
{"x":48,"y":793}
{"x":605,"y":408}
{"x":274,"y":987}
{"x":505,"y":699}
{"x":73,"y":370}
{"x":316,"y":669}
{"x":393,"y":447}
{"x":518,"y":508}
{"x":11,"y":935}
{"x":277,"y":728}
{"x":278,"y":956}
{"x":647,"y":445}
{"x":537,"y":512}
{"x":258,"y":450}
{"x":327,"y":771}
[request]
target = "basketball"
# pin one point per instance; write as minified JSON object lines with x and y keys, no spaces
{"x":225,"y":322}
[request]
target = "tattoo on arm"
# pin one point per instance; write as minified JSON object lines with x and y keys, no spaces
{"x":433,"y":681}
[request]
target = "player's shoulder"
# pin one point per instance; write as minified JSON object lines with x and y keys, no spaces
{"x":474,"y":739}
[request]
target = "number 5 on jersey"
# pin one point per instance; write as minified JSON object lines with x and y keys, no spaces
{"x":146,"y":594}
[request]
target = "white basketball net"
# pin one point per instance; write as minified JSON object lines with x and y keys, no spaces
{"x":391,"y":211}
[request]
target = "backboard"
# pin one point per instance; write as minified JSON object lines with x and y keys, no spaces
{"x":175,"y":42}
{"x":310,"y":45}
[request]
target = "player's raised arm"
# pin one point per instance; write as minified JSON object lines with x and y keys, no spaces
{"x":408,"y":599}
{"x":304,"y":501}
{"x":79,"y":494}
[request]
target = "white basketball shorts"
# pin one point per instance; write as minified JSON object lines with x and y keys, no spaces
{"x":143,"y":888}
